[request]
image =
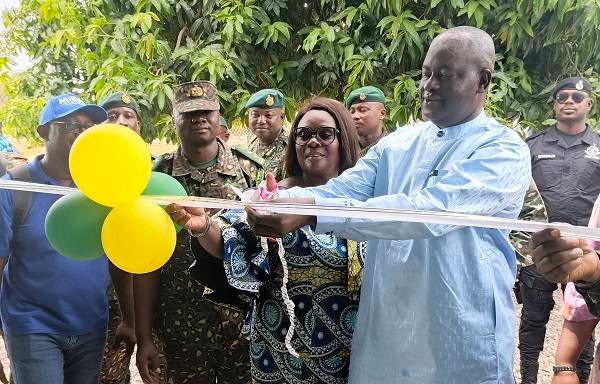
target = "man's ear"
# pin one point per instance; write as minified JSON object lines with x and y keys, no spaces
{"x":382,"y":113}
{"x":485,"y":79}
{"x":43,"y":131}
{"x":590,"y":104}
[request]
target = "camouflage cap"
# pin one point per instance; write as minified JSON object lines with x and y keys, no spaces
{"x":119,"y":99}
{"x":195,"y":96}
{"x":368,"y":93}
{"x":266,"y":98}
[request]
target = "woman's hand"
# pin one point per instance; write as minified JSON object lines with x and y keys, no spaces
{"x":190,"y":218}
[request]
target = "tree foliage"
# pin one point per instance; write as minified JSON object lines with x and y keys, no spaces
{"x":311,"y":47}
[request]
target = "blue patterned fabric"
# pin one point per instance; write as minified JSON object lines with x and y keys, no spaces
{"x":436,"y":301}
{"x":325,"y":310}
{"x":5,"y":145}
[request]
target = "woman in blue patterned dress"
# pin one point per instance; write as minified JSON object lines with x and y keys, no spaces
{"x":324,"y":271}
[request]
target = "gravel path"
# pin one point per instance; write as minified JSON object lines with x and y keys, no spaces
{"x":546,"y":359}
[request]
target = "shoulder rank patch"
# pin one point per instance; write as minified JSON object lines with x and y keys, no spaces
{"x":535,"y":135}
{"x":249,"y":155}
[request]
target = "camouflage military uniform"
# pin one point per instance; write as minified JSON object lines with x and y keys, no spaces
{"x":115,"y":363}
{"x":533,"y":210}
{"x":202,"y":338}
{"x":273,"y":155}
{"x":363,"y":151}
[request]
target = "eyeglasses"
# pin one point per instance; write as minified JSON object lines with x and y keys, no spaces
{"x":325,"y":135}
{"x":577,"y":98}
{"x":73,"y":126}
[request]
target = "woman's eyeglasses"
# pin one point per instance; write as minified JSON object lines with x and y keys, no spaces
{"x":577,"y":98}
{"x":324,"y":135}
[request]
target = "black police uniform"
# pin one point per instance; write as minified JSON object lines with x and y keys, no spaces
{"x":566,"y":170}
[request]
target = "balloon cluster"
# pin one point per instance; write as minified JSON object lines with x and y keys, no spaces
{"x":111,"y":166}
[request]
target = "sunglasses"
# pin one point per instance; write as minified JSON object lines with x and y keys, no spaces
{"x":73,"y":126}
{"x":324,"y":135}
{"x":577,"y":98}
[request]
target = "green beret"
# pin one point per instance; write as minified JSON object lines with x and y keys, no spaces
{"x":266,"y":98}
{"x":119,"y":99}
{"x":223,"y":122}
{"x":368,"y":93}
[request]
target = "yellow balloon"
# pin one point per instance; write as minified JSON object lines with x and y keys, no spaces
{"x":138,"y":237}
{"x":110,"y":164}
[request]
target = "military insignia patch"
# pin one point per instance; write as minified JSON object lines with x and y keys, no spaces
{"x":196,"y":91}
{"x":125,"y":98}
{"x":592,"y":152}
{"x":269,"y":101}
{"x":362,"y":96}
{"x":579,"y":85}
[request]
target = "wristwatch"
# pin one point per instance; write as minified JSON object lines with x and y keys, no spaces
{"x":563,"y":368}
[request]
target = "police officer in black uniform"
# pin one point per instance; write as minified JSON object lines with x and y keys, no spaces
{"x":565,"y":162}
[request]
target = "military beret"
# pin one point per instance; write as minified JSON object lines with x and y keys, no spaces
{"x":368,"y":93}
{"x":119,"y":99}
{"x":223,"y":122}
{"x":195,"y":96}
{"x":578,"y":83}
{"x":266,"y":98}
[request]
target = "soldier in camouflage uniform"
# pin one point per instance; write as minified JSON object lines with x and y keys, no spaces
{"x":122,"y":109}
{"x":202,"y":338}
{"x":265,"y":120}
{"x":367,"y":107}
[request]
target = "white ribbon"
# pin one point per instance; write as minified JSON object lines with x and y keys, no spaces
{"x":388,"y":214}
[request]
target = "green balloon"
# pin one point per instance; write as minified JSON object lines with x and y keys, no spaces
{"x":161,"y":184}
{"x":73,"y":226}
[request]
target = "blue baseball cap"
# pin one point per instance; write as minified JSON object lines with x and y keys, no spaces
{"x":68,"y":103}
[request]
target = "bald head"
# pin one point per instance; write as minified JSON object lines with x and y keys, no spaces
{"x":456,"y":74}
{"x":476,"y":44}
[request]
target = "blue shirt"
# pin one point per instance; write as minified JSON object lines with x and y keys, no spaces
{"x":42,"y":291}
{"x":5,"y":145}
{"x":436,"y":301}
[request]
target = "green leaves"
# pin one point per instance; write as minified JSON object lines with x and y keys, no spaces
{"x":278,"y":32}
{"x":476,"y":9}
{"x":143,"y":20}
{"x":323,"y":47}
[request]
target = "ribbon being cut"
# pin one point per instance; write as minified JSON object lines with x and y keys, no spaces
{"x":375,"y":214}
{"x":116,"y":207}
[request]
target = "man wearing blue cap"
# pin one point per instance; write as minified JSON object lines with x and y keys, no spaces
{"x":54,"y":310}
{"x":265,"y":120}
